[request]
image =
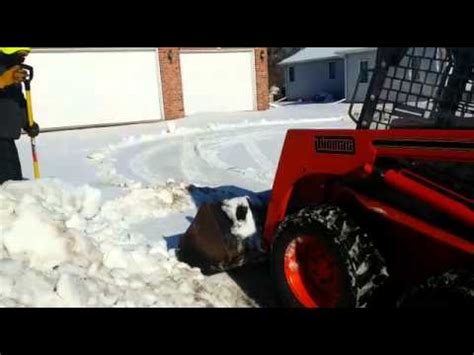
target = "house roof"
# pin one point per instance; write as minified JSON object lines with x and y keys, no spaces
{"x":310,"y":54}
{"x":356,"y":50}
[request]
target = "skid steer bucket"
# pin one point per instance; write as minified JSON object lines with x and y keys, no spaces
{"x":224,"y":235}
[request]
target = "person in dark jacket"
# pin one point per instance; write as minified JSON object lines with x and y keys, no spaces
{"x":13,"y":114}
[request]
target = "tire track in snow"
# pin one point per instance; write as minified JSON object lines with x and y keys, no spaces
{"x":143,"y":162}
{"x":267,"y":166}
{"x":194,"y":167}
{"x":207,"y":152}
{"x":197,"y":154}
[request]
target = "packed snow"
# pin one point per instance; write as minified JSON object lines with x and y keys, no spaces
{"x":62,"y":247}
{"x":241,"y":227}
{"x":99,"y":229}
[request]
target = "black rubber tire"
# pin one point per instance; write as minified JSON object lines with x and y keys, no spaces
{"x":350,"y":245}
{"x":452,"y":289}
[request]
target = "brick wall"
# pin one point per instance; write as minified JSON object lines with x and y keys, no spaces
{"x":172,"y":87}
{"x":170,"y":69}
{"x":261,"y":69}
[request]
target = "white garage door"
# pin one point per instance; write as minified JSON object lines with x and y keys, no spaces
{"x":77,"y":88}
{"x":218,"y":81}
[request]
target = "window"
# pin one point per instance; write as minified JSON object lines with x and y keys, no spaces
{"x":291,"y":73}
{"x":332,"y":70}
{"x":364,"y":71}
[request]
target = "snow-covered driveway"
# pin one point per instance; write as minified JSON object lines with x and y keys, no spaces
{"x":110,"y":242}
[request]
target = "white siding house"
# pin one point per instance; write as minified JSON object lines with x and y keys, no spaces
{"x":357,"y":61}
{"x":314,"y":71}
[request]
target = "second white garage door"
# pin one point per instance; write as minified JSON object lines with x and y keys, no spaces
{"x":94,"y":87}
{"x":218,"y":81}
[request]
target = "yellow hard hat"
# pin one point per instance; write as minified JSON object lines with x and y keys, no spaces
{"x":13,"y":50}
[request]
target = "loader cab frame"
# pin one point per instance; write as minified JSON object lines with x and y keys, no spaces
{"x":419,"y":87}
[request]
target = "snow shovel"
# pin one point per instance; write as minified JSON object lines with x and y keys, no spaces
{"x":29,"y":109}
{"x":224,"y":235}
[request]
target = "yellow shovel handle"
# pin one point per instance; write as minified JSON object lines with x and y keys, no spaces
{"x":29,"y":109}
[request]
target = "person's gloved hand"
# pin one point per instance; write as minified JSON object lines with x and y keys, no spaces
{"x":14,"y":75}
{"x":33,"y":131}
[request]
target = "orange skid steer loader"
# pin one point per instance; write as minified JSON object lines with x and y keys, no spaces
{"x":352,"y":211}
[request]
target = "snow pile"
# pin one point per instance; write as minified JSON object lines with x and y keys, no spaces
{"x":274,"y":122}
{"x":141,"y":203}
{"x":59,"y":246}
{"x":244,"y":230}
{"x":239,"y":212}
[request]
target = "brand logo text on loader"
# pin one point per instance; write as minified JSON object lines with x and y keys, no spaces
{"x":335,"y":145}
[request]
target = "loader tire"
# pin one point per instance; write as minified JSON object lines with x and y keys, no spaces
{"x":452,"y":289}
{"x":322,"y":259}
